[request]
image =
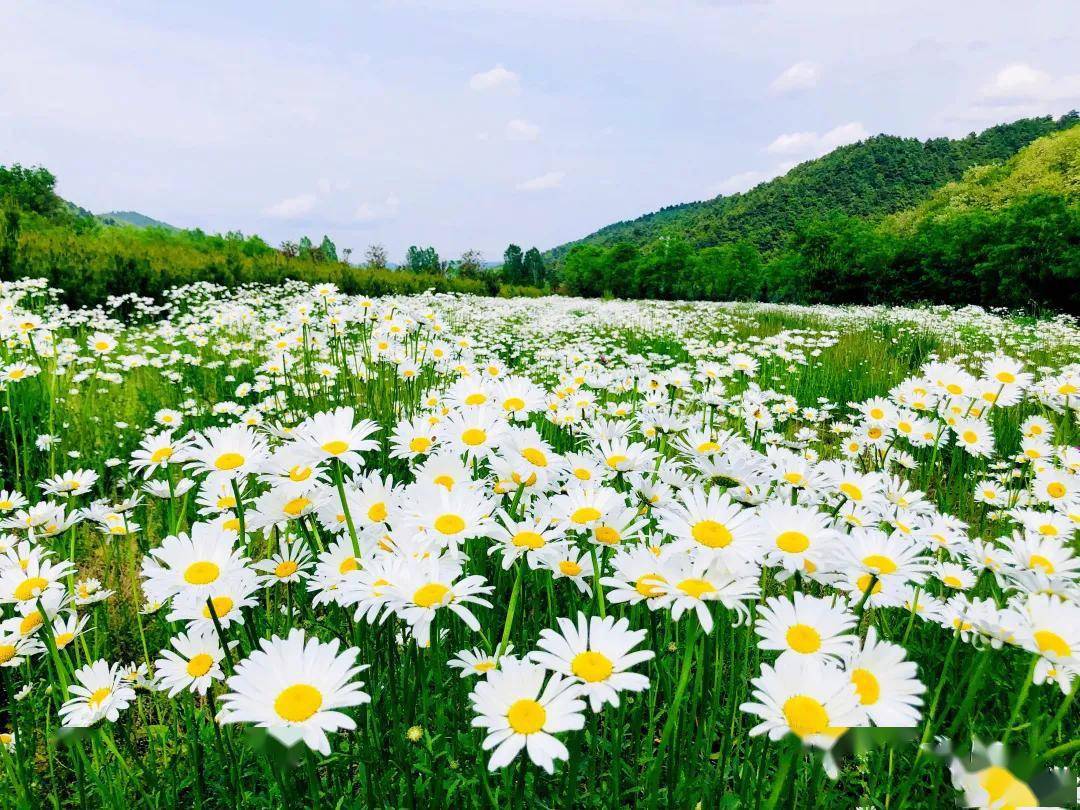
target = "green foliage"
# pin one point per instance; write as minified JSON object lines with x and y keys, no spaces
{"x":30,"y":189}
{"x":1004,"y":235}
{"x":878,"y":176}
{"x":422,"y":260}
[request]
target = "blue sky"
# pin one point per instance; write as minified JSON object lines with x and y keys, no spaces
{"x":472,"y":123}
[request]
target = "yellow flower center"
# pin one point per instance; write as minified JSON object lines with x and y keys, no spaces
{"x":420,"y":444}
{"x":161,"y":454}
{"x":586,"y":514}
{"x":1039,"y":561}
{"x":474,"y":437}
{"x":607,"y":535}
{"x":63,"y":639}
{"x":708,"y":447}
{"x":7,"y":652}
{"x":199,"y":665}
{"x":99,"y":697}
{"x":31,"y":587}
{"x":445,"y":481}
{"x":348,"y":564}
{"x":30,"y":623}
{"x":792,"y":542}
{"x":1050,"y":642}
{"x":696,"y":587}
{"x":335,"y":448}
{"x":296,"y":506}
{"x":952,"y":581}
{"x":201,"y":573}
{"x":1005,"y":791}
{"x":879,"y":563}
{"x":484,"y":666}
{"x":645,"y":586}
{"x":298,"y":473}
{"x":377,"y":512}
{"x":615,"y":460}
{"x":232,"y":524}
{"x":513,"y":404}
{"x":527,"y":539}
{"x":866,"y":684}
{"x":970,"y":436}
{"x":570,"y":568}
{"x":431,"y":594}
{"x":712,"y":534}
{"x":222,"y":606}
{"x":795,"y":478}
{"x":449,"y":524}
{"x":286,"y":568}
{"x":298,"y":702}
{"x":1055,"y":489}
{"x":592,"y":666}
{"x":229,"y":461}
{"x":803,"y":638}
{"x":863,"y":582}
{"x":805,"y":716}
{"x":526,"y":716}
{"x":581,"y":474}
{"x":534,"y":457}
{"x":851,"y":491}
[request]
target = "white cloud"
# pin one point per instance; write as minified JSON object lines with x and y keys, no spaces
{"x":1022,"y":82}
{"x":498,"y":78}
{"x":793,"y":143}
{"x":378,"y":211}
{"x":743,"y":181}
{"x":800,"y":76}
{"x":522,"y":130}
{"x":543,"y":182}
{"x":811,"y":144}
{"x":292,"y":207}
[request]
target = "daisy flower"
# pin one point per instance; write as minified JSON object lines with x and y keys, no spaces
{"x":805,"y":627}
{"x":333,"y":435}
{"x":520,"y":711}
{"x":195,"y":664}
{"x":597,"y":652}
{"x":477,"y":661}
{"x":100,"y":693}
{"x":295,"y":687}
{"x":888,"y":685}
{"x":808,"y":697}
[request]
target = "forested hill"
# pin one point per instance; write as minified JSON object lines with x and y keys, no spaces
{"x":880,"y":175}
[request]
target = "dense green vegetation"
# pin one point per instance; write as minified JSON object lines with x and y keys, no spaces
{"x":92,"y":258}
{"x":1003,"y":235}
{"x":877,"y":176}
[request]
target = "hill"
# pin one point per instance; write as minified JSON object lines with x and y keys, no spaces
{"x":135,"y":219}
{"x":878,"y":176}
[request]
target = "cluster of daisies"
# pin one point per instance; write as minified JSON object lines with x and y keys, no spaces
{"x":648,"y":485}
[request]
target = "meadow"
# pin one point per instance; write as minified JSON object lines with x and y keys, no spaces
{"x":284,"y":546}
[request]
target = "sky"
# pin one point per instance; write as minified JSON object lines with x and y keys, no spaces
{"x":469,"y":124}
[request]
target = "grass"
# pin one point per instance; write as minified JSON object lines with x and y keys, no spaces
{"x":683,"y":741}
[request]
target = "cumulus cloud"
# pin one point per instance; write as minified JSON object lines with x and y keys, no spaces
{"x":1021,"y":82}
{"x":800,"y":76}
{"x":543,"y":182}
{"x":810,"y":144}
{"x":292,"y":207}
{"x":378,"y":211}
{"x":522,"y":130}
{"x":743,"y":181}
{"x":498,"y":78}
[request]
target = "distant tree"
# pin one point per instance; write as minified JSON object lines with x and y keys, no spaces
{"x":306,"y":247}
{"x":31,"y":189}
{"x":375,"y":257}
{"x":471,"y":264}
{"x":289,"y":250}
{"x":513,"y":269}
{"x":534,"y":271}
{"x":345,"y":254}
{"x":328,"y":250}
{"x":423,"y":260}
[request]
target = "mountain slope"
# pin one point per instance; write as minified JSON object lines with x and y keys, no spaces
{"x":133,"y":218}
{"x":880,"y":175}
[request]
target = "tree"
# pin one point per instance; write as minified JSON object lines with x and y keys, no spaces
{"x":534,"y":271}
{"x":471,"y":264}
{"x":423,"y":260}
{"x":375,"y":257}
{"x":328,"y":250}
{"x":31,"y":189}
{"x":513,"y":269}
